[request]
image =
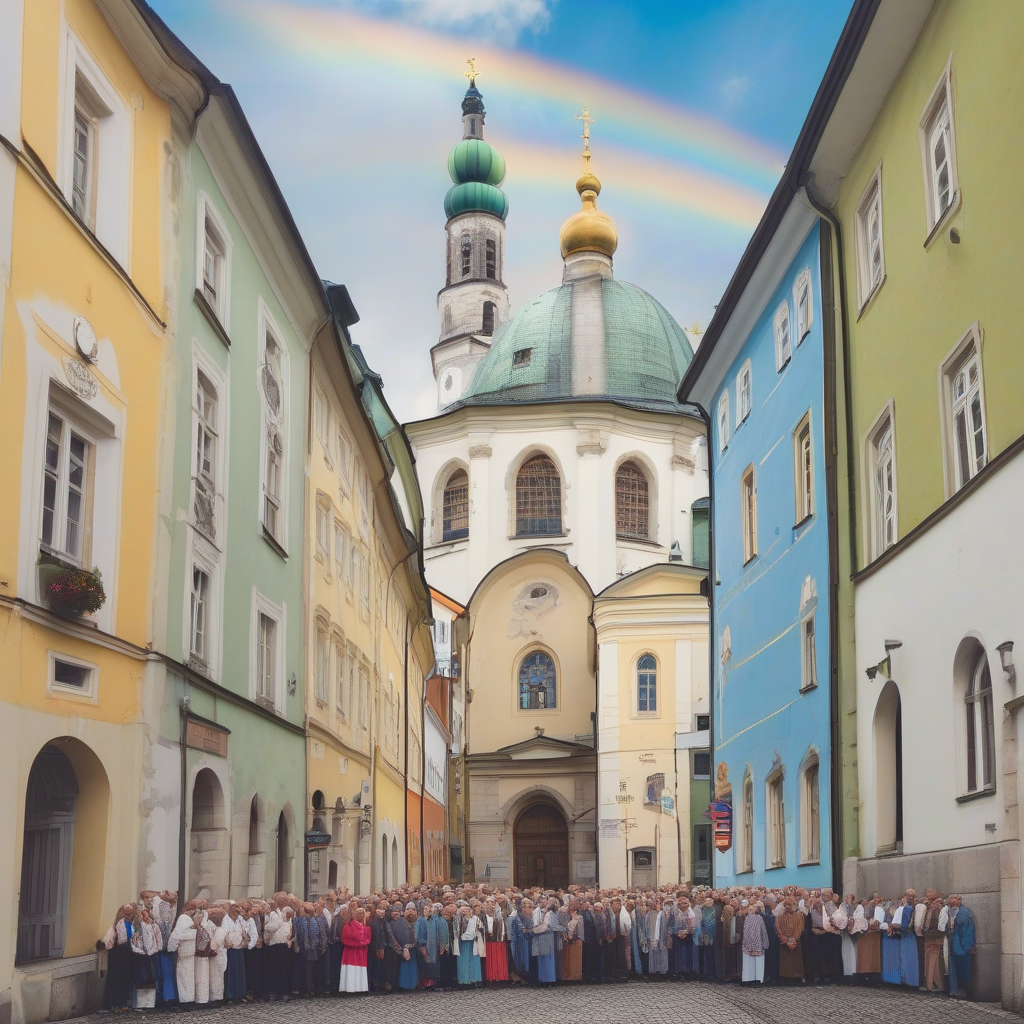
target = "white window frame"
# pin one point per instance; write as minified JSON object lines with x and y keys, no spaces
{"x":112,"y":187}
{"x":871,"y":198}
{"x":986,"y":745}
{"x":197,"y":565}
{"x":363,"y":672}
{"x":322,"y":421}
{"x":939,"y":102}
{"x":744,"y":392}
{"x":968,"y":347}
{"x":722,"y":419}
{"x":279,"y":422}
{"x":745,"y":844}
{"x":808,"y":653}
{"x":69,"y":425}
{"x":206,"y":210}
{"x":748,"y":513}
{"x":202,"y":363}
{"x":339,"y":656}
{"x":278,"y":613}
{"x":803,"y":286}
{"x":656,"y":712}
{"x":344,"y":459}
{"x":775,"y":818}
{"x":810,"y":815}
{"x":322,"y":651}
{"x":803,"y":488}
{"x":89,"y":692}
{"x":782,"y":328}
{"x":324,"y":517}
{"x":874,"y":528}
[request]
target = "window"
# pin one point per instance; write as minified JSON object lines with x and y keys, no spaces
{"x":803,"y":303}
{"x":266,"y":659}
{"x":967,"y":414}
{"x":67,"y":473}
{"x":803,"y":470}
{"x":341,"y":672}
{"x":364,"y":566}
{"x":776,"y":821}
{"x":521,"y":356}
{"x":810,"y":814}
{"x":808,"y":655}
{"x":254,"y":826}
{"x":344,"y":454}
{"x":701,"y":765}
{"x":870,"y":251}
{"x":69,"y":676}
{"x":632,"y":502}
{"x":722,"y":419}
{"x":214,"y":266}
{"x":746,"y":851}
{"x":703,"y":723}
{"x":490,"y":258}
{"x":272,"y":386}
{"x":939,"y":150}
{"x":748,"y":513}
{"x":647,"y":685}
{"x":340,"y":549}
{"x":323,"y":664}
{"x":488,"y":325}
{"x":83,"y":181}
{"x":783,"y":336}
{"x":537,"y":684}
{"x":882,"y":466}
{"x":455,"y":512}
{"x":199,"y":618}
{"x":323,"y":532}
{"x":364,"y":697}
{"x":466,"y":247}
{"x":538,"y":498}
{"x":206,"y":455}
{"x":981,"y":774}
{"x":743,"y":393}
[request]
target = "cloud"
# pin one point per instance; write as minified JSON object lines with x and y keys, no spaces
{"x":734,"y":89}
{"x":503,"y":20}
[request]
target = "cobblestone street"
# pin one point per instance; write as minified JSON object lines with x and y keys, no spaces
{"x":651,"y":1003}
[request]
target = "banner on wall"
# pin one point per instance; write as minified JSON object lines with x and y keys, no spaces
{"x":720,"y":814}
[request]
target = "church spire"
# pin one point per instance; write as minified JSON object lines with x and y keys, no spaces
{"x":590,"y":230}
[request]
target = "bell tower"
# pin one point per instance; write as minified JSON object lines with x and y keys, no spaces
{"x":473,"y":303}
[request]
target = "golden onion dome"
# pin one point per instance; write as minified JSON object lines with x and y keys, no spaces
{"x":590,"y":230}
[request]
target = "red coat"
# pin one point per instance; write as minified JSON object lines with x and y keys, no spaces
{"x":355,"y":937}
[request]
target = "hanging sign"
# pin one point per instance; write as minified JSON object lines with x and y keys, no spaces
{"x":720,"y":814}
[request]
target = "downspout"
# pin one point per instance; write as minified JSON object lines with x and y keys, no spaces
{"x":405,"y":738}
{"x":183,"y":707}
{"x":831,"y":239}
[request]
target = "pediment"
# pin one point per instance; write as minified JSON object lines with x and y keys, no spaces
{"x":541,"y":748}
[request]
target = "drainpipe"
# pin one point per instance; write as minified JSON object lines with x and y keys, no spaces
{"x":183,"y":709}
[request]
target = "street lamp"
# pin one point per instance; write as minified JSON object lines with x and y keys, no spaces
{"x":1005,"y":650}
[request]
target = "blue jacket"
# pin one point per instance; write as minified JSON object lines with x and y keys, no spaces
{"x":962,"y":938}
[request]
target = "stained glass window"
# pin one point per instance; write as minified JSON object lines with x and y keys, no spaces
{"x":537,"y":683}
{"x":538,"y":498}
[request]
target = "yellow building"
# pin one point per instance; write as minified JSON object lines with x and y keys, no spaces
{"x":86,"y":131}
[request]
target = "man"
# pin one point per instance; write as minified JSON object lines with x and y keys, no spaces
{"x":962,"y":941}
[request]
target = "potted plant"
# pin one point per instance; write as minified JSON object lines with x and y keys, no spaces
{"x":70,"y":591}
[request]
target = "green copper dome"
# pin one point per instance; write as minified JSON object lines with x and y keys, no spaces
{"x":476,"y":160}
{"x":475,"y":197}
{"x":638,"y":360}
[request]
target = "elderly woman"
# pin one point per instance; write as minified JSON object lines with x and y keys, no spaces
{"x":472,"y":943}
{"x":449,"y":959}
{"x":755,"y":945}
{"x":546,"y":930}
{"x":355,"y":941}
{"x":403,"y":942}
{"x":573,"y":939}
{"x":117,"y":991}
{"x":431,"y":938}
{"x":496,"y":970}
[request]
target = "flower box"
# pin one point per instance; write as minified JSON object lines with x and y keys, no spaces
{"x":69,"y":591}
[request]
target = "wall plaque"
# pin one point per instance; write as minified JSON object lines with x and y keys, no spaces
{"x":200,"y":736}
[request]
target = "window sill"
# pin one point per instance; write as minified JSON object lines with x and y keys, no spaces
{"x":801,"y":340}
{"x":951,"y":210}
{"x":211,"y":317}
{"x":978,"y":795}
{"x":806,"y":519}
{"x":752,"y":558}
{"x":779,"y":369}
{"x":808,"y":863}
{"x":538,"y":536}
{"x":870,"y":297}
{"x":274,"y":542}
{"x":808,"y":688}
{"x":640,"y":542}
{"x":776,"y":867}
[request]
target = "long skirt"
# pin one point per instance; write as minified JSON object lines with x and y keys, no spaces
{"x":185,"y":977}
{"x":468,"y":970}
{"x":706,"y":962}
{"x":832,"y":956}
{"x":791,"y":961}
{"x":449,"y":967}
{"x":218,"y":968}
{"x":890,"y":960}
{"x":732,"y":967}
{"x":497,"y":961}
{"x":314,"y":980}
{"x":409,"y":971}
{"x":687,"y":960}
{"x":352,"y":978}
{"x":753,"y":968}
{"x":256,"y":972}
{"x":657,"y":960}
{"x":118,"y":985}
{"x":559,"y":962}
{"x":593,"y":963}
{"x":389,"y":973}
{"x":546,"y":969}
{"x":279,"y":963}
{"x":814,"y":966}
{"x":574,"y":960}
{"x":333,"y":967}
{"x":202,"y":965}
{"x":143,"y":981}
{"x":234,"y":977}
{"x":910,"y":967}
{"x":869,"y":953}
{"x":167,"y":988}
{"x":849,"y":954}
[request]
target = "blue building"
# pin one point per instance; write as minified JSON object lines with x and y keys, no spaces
{"x":760,"y":376}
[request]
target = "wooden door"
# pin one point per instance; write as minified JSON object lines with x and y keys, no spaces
{"x":542,"y":848}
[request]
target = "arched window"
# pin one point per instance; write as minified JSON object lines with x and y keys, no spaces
{"x":538,"y":498}
{"x":491,"y":258}
{"x":466,"y":249}
{"x":632,"y":502}
{"x":489,"y":310}
{"x":384,"y":862}
{"x":207,"y":801}
{"x":254,"y":826}
{"x":284,"y":868}
{"x":776,"y":811}
{"x":647,"y":685}
{"x":981,"y":741}
{"x":810,"y":813}
{"x":747,"y":847}
{"x":538,"y":689}
{"x":394,"y":860}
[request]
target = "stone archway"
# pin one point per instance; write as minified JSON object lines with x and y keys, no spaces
{"x":541,"y":837}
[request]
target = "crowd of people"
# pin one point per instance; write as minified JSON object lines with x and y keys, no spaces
{"x":443,"y":937}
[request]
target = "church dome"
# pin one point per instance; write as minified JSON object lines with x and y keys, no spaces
{"x":591,"y":229}
{"x":476,"y":160}
{"x":611,"y":341}
{"x":475,"y":197}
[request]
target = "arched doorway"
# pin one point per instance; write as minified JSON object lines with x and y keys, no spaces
{"x":384,"y":862}
{"x":208,"y":838}
{"x":888,"y":730}
{"x":541,"y":848}
{"x":284,"y":872}
{"x":50,"y":806}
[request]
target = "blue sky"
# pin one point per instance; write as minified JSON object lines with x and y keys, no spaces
{"x":356,"y":104}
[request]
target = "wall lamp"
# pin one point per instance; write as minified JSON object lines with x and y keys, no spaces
{"x":1005,"y":650}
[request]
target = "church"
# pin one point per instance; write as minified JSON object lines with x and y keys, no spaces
{"x":565,"y":495}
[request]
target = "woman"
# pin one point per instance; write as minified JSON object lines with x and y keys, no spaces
{"x":755,"y":945}
{"x":472,"y":942}
{"x":657,"y":934}
{"x":431,"y":938}
{"x":705,"y":940}
{"x":638,"y":935}
{"x":892,"y":934}
{"x":403,"y":941}
{"x":379,"y":944}
{"x":497,"y":947}
{"x":546,"y":929}
{"x":730,"y":935}
{"x":145,"y":945}
{"x":355,"y":941}
{"x":449,"y":957}
{"x":117,"y":991}
{"x":391,"y":957}
{"x":520,"y":939}
{"x":574,"y":944}
{"x":182,"y":943}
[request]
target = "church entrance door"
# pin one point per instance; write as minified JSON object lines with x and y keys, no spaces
{"x":542,"y":848}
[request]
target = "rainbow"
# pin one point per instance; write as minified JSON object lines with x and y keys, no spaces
{"x":646,"y":146}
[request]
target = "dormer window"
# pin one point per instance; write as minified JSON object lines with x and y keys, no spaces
{"x":521,"y":357}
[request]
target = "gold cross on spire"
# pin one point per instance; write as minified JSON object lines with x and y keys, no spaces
{"x":587,"y":120}
{"x":472,"y":73}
